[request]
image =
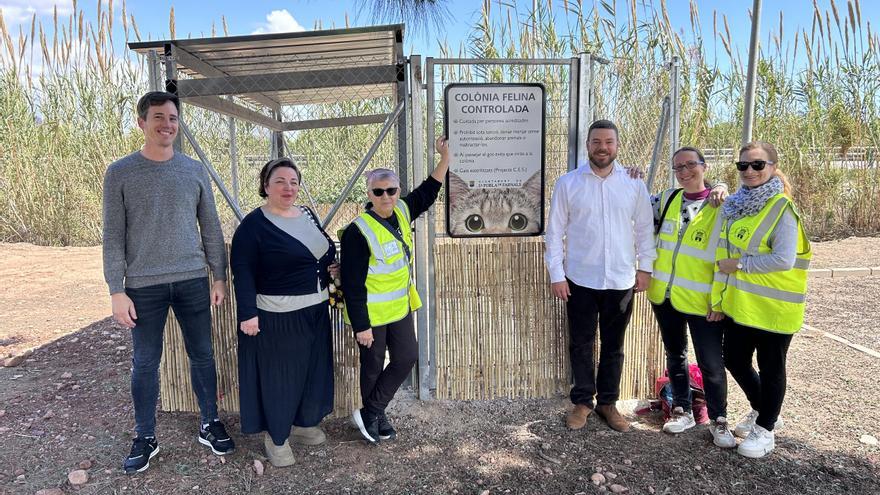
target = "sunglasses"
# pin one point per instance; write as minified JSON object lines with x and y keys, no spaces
{"x":756,"y":165}
{"x":378,"y":191}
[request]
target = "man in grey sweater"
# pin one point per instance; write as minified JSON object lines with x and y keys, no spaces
{"x":161,"y":232}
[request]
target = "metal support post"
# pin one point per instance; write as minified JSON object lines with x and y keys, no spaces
{"x":305,"y":187}
{"x":662,"y":128}
{"x":675,"y":123}
{"x":211,"y":171}
{"x":402,"y":90}
{"x":153,"y":70}
{"x":233,"y":158}
{"x":171,"y":86}
{"x":277,"y":146}
{"x":749,"y":109}
{"x":421,"y":244}
{"x":585,"y":106}
{"x":431,"y":234}
{"x":586,"y":100}
{"x":573,"y":112}
{"x":364,"y":162}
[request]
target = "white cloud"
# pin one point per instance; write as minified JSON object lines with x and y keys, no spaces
{"x":20,"y":11}
{"x":279,"y":21}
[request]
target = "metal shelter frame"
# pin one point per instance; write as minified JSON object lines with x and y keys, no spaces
{"x":254,"y":77}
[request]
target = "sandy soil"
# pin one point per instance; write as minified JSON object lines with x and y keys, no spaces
{"x":46,"y":292}
{"x":68,"y":404}
{"x":845,"y":253}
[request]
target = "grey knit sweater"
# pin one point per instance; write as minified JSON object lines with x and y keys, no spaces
{"x":160,"y":223}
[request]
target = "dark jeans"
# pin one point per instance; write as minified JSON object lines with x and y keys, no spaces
{"x":610,"y":310}
{"x":380,"y":383}
{"x":191,"y":302}
{"x":764,"y":389}
{"x":708,"y":337}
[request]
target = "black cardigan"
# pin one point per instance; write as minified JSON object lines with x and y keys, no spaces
{"x":356,"y":254}
{"x":266,"y":260}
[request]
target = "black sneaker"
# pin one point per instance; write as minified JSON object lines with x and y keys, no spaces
{"x":214,"y":435}
{"x":142,"y":450}
{"x":368,"y":424}
{"x":386,"y":431}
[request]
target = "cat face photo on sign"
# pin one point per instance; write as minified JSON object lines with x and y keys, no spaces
{"x":495,"y":211}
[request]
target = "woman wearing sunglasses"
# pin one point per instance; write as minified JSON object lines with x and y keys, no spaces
{"x":759,"y":289}
{"x":282,"y":261}
{"x":379,"y":293}
{"x":680,"y":291}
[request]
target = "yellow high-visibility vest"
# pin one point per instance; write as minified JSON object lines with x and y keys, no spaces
{"x":768,"y":301}
{"x":391,"y":294}
{"x":684,"y":269}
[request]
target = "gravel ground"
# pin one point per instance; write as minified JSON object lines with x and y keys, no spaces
{"x":68,"y":404}
{"x":67,"y":407}
{"x":847,"y":307}
{"x":846,"y":253}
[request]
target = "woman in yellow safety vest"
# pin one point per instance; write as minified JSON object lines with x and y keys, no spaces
{"x":379,"y":293}
{"x":760,"y":286}
{"x":680,"y":291}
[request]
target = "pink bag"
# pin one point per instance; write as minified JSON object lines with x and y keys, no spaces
{"x":663,"y":389}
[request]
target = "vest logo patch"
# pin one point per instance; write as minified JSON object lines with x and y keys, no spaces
{"x":390,"y":248}
{"x":742,"y":233}
{"x":699,"y":236}
{"x":667,"y":227}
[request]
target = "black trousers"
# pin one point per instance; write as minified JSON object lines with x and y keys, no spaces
{"x":765,"y":389}
{"x":378,"y":382}
{"x":708,"y":337}
{"x":610,"y":310}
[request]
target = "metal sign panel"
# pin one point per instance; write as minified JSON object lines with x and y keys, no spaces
{"x":495,"y":185}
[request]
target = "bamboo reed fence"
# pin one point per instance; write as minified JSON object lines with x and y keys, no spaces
{"x":501,"y":334}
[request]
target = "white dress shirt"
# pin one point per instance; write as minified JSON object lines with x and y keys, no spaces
{"x":598,"y":228}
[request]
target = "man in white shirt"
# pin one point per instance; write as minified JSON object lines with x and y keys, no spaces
{"x":599,"y":250}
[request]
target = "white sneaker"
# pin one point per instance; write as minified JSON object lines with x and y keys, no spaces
{"x":721,"y":435}
{"x":679,"y":421}
{"x":759,"y":443}
{"x":778,"y":424}
{"x":744,"y":426}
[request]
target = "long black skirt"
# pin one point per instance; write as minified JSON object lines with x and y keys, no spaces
{"x":285,"y":372}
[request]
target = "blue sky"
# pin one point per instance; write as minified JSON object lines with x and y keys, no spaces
{"x":195,"y":18}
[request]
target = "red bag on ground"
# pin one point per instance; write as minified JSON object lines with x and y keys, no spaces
{"x":663,"y":389}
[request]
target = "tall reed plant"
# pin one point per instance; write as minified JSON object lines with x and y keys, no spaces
{"x":68,"y":90}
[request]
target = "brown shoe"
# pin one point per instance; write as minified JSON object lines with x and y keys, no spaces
{"x":577,"y":417}
{"x":609,"y":413}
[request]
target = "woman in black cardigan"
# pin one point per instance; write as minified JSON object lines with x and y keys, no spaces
{"x":282,"y":262}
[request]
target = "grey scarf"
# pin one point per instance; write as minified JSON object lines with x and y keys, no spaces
{"x":749,"y":201}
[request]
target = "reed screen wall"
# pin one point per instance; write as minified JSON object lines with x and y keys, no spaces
{"x":500,"y":333}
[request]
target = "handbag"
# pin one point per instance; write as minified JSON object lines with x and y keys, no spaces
{"x":334,"y":288}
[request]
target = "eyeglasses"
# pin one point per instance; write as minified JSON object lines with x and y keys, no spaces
{"x":378,"y":191}
{"x":756,"y":165}
{"x":690,"y":164}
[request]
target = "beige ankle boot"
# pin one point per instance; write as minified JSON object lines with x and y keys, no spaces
{"x":279,"y":455}
{"x":310,"y":435}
